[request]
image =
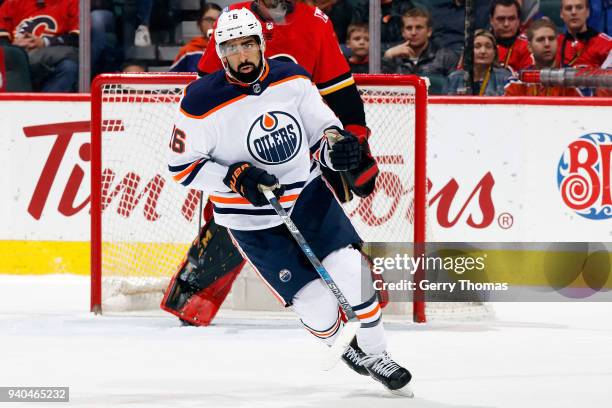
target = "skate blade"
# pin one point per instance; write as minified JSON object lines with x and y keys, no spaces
{"x":405,"y":391}
{"x":344,"y":339}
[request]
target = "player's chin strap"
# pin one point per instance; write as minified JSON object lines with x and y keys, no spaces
{"x":353,"y":324}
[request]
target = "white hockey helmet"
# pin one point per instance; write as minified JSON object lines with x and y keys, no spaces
{"x":234,"y":24}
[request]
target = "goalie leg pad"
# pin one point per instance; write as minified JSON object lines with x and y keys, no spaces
{"x":204,"y":278}
{"x":199,"y":308}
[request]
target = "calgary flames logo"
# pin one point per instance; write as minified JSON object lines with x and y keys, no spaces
{"x":274,"y":138}
{"x":37,"y":26}
{"x":584,"y":176}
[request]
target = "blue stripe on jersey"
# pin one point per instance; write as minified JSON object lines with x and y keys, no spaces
{"x":223,"y":210}
{"x":371,"y":324}
{"x":294,"y":185}
{"x":193,"y":173}
{"x":283,"y":69}
{"x":210,"y":91}
{"x":315,"y":146}
{"x":206,"y":93}
{"x":180,"y":167}
{"x":362,"y":306}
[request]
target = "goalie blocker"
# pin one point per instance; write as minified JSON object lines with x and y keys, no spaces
{"x":205,"y":277}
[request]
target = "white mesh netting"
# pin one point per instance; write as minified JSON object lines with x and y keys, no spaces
{"x":148,"y":220}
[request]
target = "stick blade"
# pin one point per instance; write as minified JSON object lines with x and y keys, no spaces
{"x":345,"y":337}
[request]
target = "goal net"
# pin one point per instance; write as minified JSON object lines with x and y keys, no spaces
{"x":143,"y":222}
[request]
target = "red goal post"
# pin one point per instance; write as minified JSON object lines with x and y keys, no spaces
{"x":138,"y":109}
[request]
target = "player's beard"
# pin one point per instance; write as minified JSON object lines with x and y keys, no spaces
{"x":247,"y":77}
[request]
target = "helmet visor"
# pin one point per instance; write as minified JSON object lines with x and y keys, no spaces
{"x":243,"y":45}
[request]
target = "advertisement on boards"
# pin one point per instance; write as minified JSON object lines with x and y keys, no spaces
{"x":504,"y":173}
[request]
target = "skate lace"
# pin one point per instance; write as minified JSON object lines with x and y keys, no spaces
{"x":353,"y":355}
{"x":382,"y":364}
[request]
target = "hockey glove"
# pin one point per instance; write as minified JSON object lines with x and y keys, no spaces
{"x":345,"y":153}
{"x":244,"y":178}
{"x":362,"y":180}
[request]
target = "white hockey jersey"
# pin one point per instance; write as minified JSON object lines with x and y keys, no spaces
{"x":276,"y":124}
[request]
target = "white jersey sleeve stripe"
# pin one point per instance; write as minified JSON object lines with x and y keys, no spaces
{"x":181,"y":171}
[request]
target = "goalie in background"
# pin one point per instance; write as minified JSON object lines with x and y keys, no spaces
{"x":300,"y":33}
{"x":261,"y":122}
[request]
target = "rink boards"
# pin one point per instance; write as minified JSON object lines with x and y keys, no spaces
{"x":502,"y":170}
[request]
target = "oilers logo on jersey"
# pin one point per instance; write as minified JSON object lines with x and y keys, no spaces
{"x":274,"y":138}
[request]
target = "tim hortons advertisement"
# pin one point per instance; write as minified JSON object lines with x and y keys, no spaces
{"x":498,"y":173}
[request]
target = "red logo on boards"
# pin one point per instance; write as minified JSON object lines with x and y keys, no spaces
{"x":133,"y":191}
{"x":584,"y":176}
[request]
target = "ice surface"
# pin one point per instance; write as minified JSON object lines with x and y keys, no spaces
{"x":532,"y":355}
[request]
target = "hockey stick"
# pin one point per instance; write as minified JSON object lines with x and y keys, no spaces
{"x":350,"y":328}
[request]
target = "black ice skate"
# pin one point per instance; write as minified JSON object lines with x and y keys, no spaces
{"x":353,"y":357}
{"x":393,"y":376}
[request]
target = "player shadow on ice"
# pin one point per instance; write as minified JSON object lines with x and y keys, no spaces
{"x":356,"y":397}
{"x":332,"y":396}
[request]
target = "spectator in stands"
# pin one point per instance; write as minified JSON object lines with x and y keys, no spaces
{"x":601,"y":16}
{"x":542,"y":36}
{"x":340,"y":12}
{"x":511,"y":46}
{"x":142,"y":36}
{"x":489,"y":77}
{"x":49,"y":32}
{"x":581,"y":45}
{"x":391,"y":15}
{"x":188,"y":56}
{"x":358,"y":42}
{"x":134,"y":66}
{"x":416,"y":55}
{"x":449,"y":23}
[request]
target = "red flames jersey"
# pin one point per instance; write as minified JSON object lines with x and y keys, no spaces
{"x":307,"y":38}
{"x":517,"y":56}
{"x":56,"y":17}
{"x":589,"y":51}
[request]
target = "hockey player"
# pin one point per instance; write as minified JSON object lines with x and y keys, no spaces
{"x":303,"y":34}
{"x":298,"y":32}
{"x":259,"y":122}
